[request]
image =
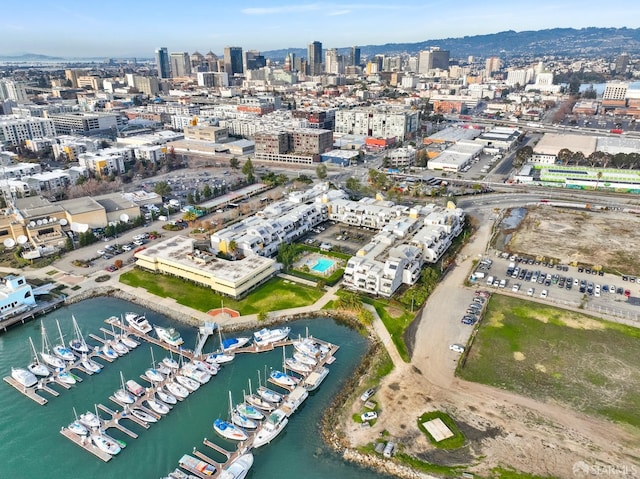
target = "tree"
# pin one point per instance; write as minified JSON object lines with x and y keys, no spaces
{"x":206,"y":191}
{"x":190,"y":199}
{"x":247,"y":169}
{"x":263,"y":315}
{"x":564,"y":156}
{"x":197,"y":197}
{"x":162,"y":188}
{"x":233,"y":247}
{"x":321,"y":172}
{"x":353,"y":184}
{"x":287,"y":254}
{"x":118,"y":263}
{"x":522,"y":156}
{"x":234,"y":163}
{"x":190,"y":216}
{"x":599,"y":176}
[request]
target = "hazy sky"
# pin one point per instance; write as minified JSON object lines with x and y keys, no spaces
{"x":119,"y":28}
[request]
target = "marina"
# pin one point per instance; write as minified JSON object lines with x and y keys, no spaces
{"x":184,"y":428}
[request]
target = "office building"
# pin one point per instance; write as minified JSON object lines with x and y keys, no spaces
{"x":233,"y":60}
{"x":354,"y":57}
{"x":213,"y":79}
{"x":314,"y":58}
{"x":492,"y":65}
{"x":85,"y":122}
{"x":211,"y":60}
{"x":615,"y":91}
{"x":162,"y":63}
{"x":433,"y":59}
{"x":621,"y":64}
{"x":333,"y":62}
{"x":252,"y":60}
{"x":180,"y":64}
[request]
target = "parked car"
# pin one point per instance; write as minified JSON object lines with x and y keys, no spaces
{"x":369,"y":416}
{"x":458,"y":348}
{"x":367,"y":394}
{"x":515,"y":288}
{"x":544,"y":293}
{"x":530,"y":292}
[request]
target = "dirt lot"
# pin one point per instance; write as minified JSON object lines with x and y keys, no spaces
{"x":606,"y":238}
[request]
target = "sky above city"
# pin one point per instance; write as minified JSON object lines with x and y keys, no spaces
{"x":119,"y":28}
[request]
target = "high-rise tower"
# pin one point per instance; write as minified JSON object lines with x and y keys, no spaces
{"x":233,"y":60}
{"x":162,"y":63}
{"x":314,"y":59}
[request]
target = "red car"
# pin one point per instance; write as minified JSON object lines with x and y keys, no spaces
{"x":627,"y":292}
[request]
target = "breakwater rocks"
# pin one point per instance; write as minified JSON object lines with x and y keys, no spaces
{"x":381,"y":464}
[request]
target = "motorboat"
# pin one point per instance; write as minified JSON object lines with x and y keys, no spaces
{"x":304,"y":359}
{"x":157,"y":406}
{"x":106,"y":444}
{"x":230,"y":344}
{"x":25,"y":377}
{"x":176,"y":389}
{"x":294,"y":399}
{"x":165,"y":397}
{"x":138,"y":322}
{"x":162,"y":369}
{"x":36,"y":367}
{"x":229,"y":430}
{"x":61,"y":350}
{"x":142,"y":415}
{"x":90,"y":420}
{"x":65,"y":377}
{"x":170,"y":363}
{"x":188,"y":383}
{"x":169,"y":336}
{"x":310,"y":347}
{"x":153,"y":375}
{"x":238,"y":468}
{"x":220,"y":358}
{"x":78,"y":428}
{"x":134,"y":388}
{"x":267,"y":336}
{"x":108,"y":351}
{"x":191,"y":463}
{"x":78,"y":344}
{"x":89,"y":364}
{"x":243,"y":421}
{"x":258,"y":402}
{"x":269,"y":395}
{"x":180,"y":474}
{"x":313,"y":380}
{"x":249,"y":411}
{"x":192,"y":371}
{"x":122,"y":394}
{"x":283,"y":379}
{"x":46,"y":356}
{"x":297,"y":366}
{"x":274,"y":424}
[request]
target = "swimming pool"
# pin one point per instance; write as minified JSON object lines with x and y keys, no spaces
{"x":322,"y":265}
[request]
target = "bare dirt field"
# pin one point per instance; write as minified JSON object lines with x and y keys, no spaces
{"x":592,"y":238}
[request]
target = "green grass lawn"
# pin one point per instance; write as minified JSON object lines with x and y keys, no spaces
{"x":396,"y":319}
{"x":552,"y":354}
{"x":274,"y":295}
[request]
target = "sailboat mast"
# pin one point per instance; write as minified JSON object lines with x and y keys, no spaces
{"x":60,"y":333}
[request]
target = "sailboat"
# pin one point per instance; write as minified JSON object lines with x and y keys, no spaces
{"x":36,"y":367}
{"x":249,"y":411}
{"x":122,"y":394}
{"x":142,"y":415}
{"x":152,"y":374}
{"x":51,"y":359}
{"x":176,"y":389}
{"x":107,"y":350}
{"x":126,"y":340}
{"x":266,"y":393}
{"x":117,"y":345}
{"x":170,"y":362}
{"x":257,"y":402}
{"x":242,"y":421}
{"x":157,"y":406}
{"x":61,"y":350}
{"x":89,"y":364}
{"x":77,"y":427}
{"x":78,"y":344}
{"x":228,"y":429}
{"x":166,"y":397}
{"x":105,"y":444}
{"x":222,"y":356}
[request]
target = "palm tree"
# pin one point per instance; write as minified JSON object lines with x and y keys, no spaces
{"x":599,"y":176}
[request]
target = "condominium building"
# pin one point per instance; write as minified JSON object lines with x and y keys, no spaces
{"x":302,"y":145}
{"x":615,"y":91}
{"x":378,"y":122}
{"x":13,"y":90}
{"x":177,"y":256}
{"x":85,"y":122}
{"x":14,"y":129}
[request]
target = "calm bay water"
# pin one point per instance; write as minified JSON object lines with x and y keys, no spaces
{"x":32,"y":447}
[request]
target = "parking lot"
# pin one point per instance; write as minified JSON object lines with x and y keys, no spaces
{"x":573,"y":286}
{"x":347,"y":239}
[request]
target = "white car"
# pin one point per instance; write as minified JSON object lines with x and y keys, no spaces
{"x":367,"y":394}
{"x":530,"y":292}
{"x":369,"y":416}
{"x":544,"y":293}
{"x":101,"y":252}
{"x":515,"y":288}
{"x":458,"y":348}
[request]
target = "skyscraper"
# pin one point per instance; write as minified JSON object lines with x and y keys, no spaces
{"x":162,"y":63}
{"x":180,"y":64}
{"x":433,"y":59}
{"x":354,"y":57}
{"x":233,"y":60}
{"x":314,"y":59}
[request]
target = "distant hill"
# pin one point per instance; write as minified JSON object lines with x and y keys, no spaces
{"x":29,"y":57}
{"x":590,"y":41}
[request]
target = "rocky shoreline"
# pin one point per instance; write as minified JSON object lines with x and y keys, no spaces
{"x":330,"y":429}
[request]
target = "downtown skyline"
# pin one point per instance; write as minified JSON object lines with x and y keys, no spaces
{"x":136,"y":29}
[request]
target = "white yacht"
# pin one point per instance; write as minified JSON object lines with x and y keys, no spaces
{"x":65,"y":377}
{"x":143,"y":416}
{"x":89,"y":364}
{"x":135,"y":388}
{"x":269,"y":395}
{"x":108,"y":351}
{"x":267,"y":336}
{"x":297,"y":366}
{"x":106,"y":444}
{"x":220,"y":357}
{"x":77,"y":428}
{"x":229,"y":430}
{"x":303,"y":358}
{"x":282,"y":379}
{"x":89,"y":420}
{"x":170,"y":363}
{"x":178,"y":390}
{"x":274,"y":424}
{"x":192,"y":371}
{"x":122,"y":394}
{"x":157,"y":406}
{"x":153,"y":375}
{"x":25,"y":377}
{"x":61,"y":350}
{"x":313,"y":380}
{"x":249,"y":411}
{"x":165,"y":397}
{"x":239,"y":468}
{"x":138,"y":322}
{"x":230,"y":344}
{"x":169,"y":336}
{"x":242,"y":421}
{"x":188,"y":383}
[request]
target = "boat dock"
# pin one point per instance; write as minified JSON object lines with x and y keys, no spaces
{"x":85,"y":443}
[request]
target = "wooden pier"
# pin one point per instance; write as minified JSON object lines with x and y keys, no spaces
{"x":85,"y":443}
